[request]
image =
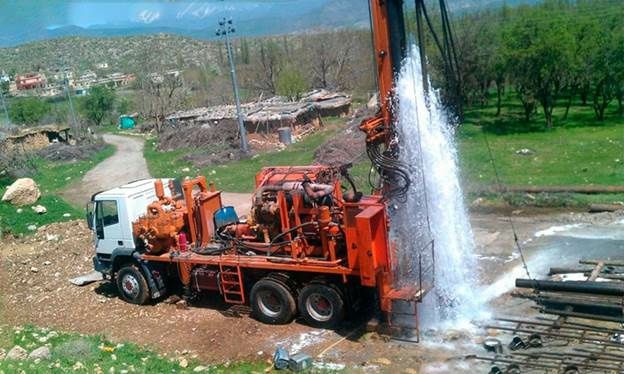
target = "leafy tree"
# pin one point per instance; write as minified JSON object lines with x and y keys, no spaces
{"x":4,"y":87}
{"x":291,"y":83}
{"x":28,"y":111}
{"x":539,"y":53}
{"x":98,"y":104}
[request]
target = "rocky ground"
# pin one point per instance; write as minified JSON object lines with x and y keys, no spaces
{"x":36,"y":290}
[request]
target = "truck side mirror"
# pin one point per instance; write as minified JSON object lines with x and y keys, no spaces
{"x":89,"y":217}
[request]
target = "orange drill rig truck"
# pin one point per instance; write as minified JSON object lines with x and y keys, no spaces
{"x":306,"y":249}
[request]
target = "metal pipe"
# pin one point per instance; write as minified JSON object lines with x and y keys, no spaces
{"x":558,"y":335}
{"x":598,"y":317}
{"x":591,"y":287}
{"x":561,"y":356}
{"x":502,"y":360}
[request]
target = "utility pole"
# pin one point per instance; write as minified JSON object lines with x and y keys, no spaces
{"x":71,"y":104}
{"x":225,"y":29}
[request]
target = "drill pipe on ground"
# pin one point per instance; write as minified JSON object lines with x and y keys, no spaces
{"x":590,"y":287}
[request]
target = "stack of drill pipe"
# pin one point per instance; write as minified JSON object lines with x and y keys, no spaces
{"x":584,"y":299}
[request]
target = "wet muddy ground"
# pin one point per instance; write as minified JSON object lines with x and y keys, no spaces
{"x":35,"y":290}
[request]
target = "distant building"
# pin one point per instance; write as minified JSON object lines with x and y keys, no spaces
{"x":30,"y":81}
{"x":60,"y":75}
{"x":101,"y":65}
{"x":4,"y":77}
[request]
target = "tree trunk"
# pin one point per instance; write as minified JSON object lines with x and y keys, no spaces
{"x":547,"y":106}
{"x":498,"y":98}
{"x":596,"y":102}
{"x":584,"y":94}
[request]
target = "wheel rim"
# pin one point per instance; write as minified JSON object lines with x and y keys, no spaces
{"x":319,"y":307}
{"x":130,"y":285}
{"x":269,"y":304}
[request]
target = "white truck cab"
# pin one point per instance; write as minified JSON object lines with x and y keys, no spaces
{"x":110,"y":215}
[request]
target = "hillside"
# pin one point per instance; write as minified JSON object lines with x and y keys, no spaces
{"x":121,"y":53}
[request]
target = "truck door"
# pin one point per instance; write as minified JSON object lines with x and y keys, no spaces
{"x":107,"y":226}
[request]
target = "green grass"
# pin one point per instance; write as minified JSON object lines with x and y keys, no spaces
{"x":51,"y":177}
{"x":238,"y":176}
{"x":96,"y":354}
{"x":577,"y":151}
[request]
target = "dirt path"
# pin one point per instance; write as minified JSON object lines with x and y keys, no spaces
{"x":126,"y":165}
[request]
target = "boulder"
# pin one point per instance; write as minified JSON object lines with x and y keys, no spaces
{"x":17,"y":353}
{"x":42,"y":353}
{"x":23,"y":191}
{"x":39,"y":209}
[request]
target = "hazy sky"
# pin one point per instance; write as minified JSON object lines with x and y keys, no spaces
{"x":15,"y":14}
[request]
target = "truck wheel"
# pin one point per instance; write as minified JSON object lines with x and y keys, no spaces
{"x":132,"y":285}
{"x":272,"y":302}
{"x":321,"y":305}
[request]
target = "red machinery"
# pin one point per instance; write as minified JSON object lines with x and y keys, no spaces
{"x":306,"y":248}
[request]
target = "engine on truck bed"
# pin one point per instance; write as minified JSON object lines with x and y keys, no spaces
{"x":296,"y":212}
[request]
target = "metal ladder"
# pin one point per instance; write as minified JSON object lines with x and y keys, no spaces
{"x":232,"y":284}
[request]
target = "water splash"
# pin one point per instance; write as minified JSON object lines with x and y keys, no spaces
{"x":434,"y":210}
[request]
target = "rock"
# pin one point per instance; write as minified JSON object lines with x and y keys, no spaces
{"x":181,"y":305}
{"x":32,"y":227}
{"x":524,"y":152}
{"x":373,"y":103}
{"x":51,"y":237}
{"x":42,"y":353}
{"x":186,"y":170}
{"x":183,"y":363}
{"x":77,"y":366}
{"x":19,"y":210}
{"x":2,"y":354}
{"x":23,"y":191}
{"x":200,"y":368}
{"x":66,"y":215}
{"x":479,"y":201}
{"x":17,"y":353}
{"x":46,"y":263}
{"x":382,"y":361}
{"x":34,"y":269}
{"x":39,"y":209}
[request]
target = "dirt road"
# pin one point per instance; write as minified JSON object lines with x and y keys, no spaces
{"x":126,"y":165}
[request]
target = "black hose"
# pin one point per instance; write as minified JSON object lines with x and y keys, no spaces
{"x":392,"y":172}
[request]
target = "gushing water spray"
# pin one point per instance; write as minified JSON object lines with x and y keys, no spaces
{"x":433,"y":213}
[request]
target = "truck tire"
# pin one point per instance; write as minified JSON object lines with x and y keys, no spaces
{"x":132,"y":285}
{"x":272,"y":302}
{"x":321,"y":305}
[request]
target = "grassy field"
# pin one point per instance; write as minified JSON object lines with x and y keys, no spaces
{"x":95,"y":354}
{"x":578,"y":151}
{"x":51,"y":178}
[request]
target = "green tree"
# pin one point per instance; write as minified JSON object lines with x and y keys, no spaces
{"x":291,"y":83}
{"x":539,"y":52}
{"x":98,"y":104}
{"x":28,"y":111}
{"x":4,"y":87}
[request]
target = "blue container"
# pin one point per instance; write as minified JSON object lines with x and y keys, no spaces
{"x":225,"y":216}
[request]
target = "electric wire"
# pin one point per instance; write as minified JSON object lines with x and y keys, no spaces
{"x":509,"y":217}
